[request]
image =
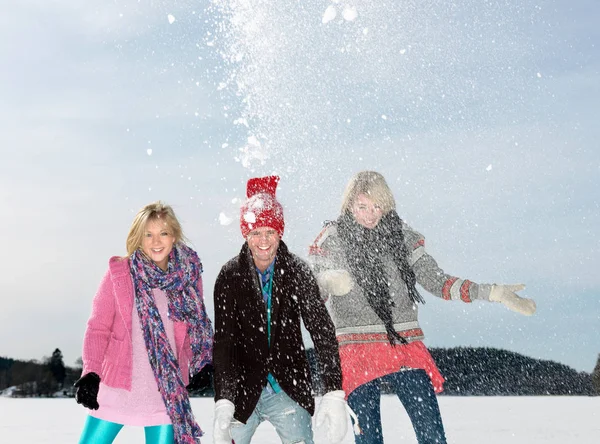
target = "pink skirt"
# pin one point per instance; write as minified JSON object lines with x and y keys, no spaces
{"x":364,"y":362}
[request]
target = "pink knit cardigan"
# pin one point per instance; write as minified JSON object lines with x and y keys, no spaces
{"x":107,"y":345}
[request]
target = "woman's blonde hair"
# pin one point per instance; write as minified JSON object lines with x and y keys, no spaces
{"x":373,"y":185}
{"x":152,"y":212}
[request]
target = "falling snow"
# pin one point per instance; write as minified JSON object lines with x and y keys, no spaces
{"x":329,"y":14}
{"x":349,"y":13}
{"x":250,"y":217}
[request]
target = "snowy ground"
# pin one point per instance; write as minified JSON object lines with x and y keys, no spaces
{"x":468,"y":420}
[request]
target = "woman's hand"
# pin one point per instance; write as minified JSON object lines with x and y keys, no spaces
{"x":506,"y":294}
{"x":87,"y":390}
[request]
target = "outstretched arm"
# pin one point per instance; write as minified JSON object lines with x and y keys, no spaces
{"x":437,"y":282}
{"x":326,"y":260}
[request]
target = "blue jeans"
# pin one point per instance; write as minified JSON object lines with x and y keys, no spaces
{"x":416,"y":393}
{"x":292,"y":422}
{"x":99,"y":431}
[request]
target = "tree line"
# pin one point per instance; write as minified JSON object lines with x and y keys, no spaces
{"x":43,"y":378}
{"x":469,"y":371}
{"x":484,"y":371}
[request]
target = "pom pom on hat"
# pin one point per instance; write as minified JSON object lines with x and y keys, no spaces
{"x":258,"y":185}
{"x":261,"y":209}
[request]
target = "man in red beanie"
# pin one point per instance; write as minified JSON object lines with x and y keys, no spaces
{"x":261,"y":368}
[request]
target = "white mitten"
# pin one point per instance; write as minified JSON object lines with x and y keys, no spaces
{"x":333,"y":411}
{"x":335,"y":282}
{"x":506,"y":294}
{"x":224,"y":409}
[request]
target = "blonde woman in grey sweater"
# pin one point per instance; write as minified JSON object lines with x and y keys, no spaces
{"x":368,"y":263}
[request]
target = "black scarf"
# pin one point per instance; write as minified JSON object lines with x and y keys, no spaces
{"x":364,"y":249}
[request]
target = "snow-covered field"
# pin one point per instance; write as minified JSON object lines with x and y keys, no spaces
{"x":468,"y":420}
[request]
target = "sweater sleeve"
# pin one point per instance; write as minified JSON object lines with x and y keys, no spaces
{"x":322,"y":253}
{"x":322,"y":332}
{"x":99,"y":327}
{"x":325,"y":254}
{"x":433,"y":279}
{"x":225,"y":376}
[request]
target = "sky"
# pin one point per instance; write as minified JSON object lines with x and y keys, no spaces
{"x":481,"y":115}
{"x":517,"y":420}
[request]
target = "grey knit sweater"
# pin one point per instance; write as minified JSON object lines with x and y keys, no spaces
{"x":355,"y":320}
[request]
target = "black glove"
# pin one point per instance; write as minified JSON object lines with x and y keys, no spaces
{"x":87,"y":390}
{"x":202,"y":380}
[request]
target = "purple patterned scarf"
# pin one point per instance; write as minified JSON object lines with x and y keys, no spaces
{"x":185,"y":303}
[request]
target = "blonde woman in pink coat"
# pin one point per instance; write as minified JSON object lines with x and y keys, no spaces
{"x":148,"y":332}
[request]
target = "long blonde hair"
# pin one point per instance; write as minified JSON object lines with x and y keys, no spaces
{"x":152,"y":212}
{"x":373,"y":185}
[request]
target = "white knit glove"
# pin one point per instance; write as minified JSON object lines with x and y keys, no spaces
{"x":335,"y":282}
{"x":333,"y":411}
{"x":224,"y":409}
{"x":506,"y":294}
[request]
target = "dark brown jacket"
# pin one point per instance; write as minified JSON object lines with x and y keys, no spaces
{"x":241,"y":354}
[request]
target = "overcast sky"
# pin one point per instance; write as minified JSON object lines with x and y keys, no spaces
{"x":482,"y":116}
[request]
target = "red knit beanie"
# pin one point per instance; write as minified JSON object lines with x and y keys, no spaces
{"x":261,"y":208}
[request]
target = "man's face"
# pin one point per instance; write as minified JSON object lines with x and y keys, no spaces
{"x":263,"y":243}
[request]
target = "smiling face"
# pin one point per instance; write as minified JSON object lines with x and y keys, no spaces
{"x":263,"y":243}
{"x":157,"y":242}
{"x":366,"y":212}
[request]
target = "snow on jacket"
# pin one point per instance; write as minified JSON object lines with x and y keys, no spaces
{"x":241,"y":354}
{"x":107,"y":344}
{"x":356,"y":321}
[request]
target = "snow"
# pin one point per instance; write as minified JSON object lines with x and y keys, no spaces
{"x":250,"y":217}
{"x":468,"y":420}
{"x":349,"y":13}
{"x":8,"y":391}
{"x":329,"y":14}
{"x":224,"y":219}
{"x":252,"y":151}
{"x":171,"y":19}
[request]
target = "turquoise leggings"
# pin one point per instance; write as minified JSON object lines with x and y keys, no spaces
{"x":98,"y":431}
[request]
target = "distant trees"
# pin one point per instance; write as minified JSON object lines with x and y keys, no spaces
{"x":57,"y":367}
{"x":35,"y":378}
{"x":486,"y":371}
{"x":493,"y":372}
{"x":468,"y":371}
{"x":596,"y":377}
{"x":32,"y":378}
